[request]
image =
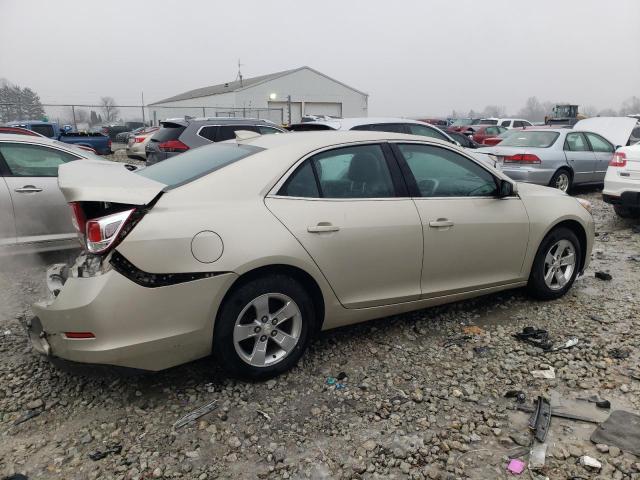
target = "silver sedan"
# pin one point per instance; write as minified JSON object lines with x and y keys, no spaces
{"x":559,"y":157}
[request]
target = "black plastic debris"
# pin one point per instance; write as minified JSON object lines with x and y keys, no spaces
{"x":100,"y":454}
{"x":600,"y":403}
{"x":621,"y":429}
{"x":519,"y":395}
{"x":603,"y":276}
{"x":27,"y":416}
{"x":341,"y":376}
{"x":536,"y":337}
{"x":16,"y":476}
{"x":541,"y":419}
{"x":619,"y":353}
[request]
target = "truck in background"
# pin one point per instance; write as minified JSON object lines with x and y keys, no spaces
{"x":95,"y":140}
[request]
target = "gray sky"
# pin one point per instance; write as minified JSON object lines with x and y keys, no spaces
{"x":414,"y":57}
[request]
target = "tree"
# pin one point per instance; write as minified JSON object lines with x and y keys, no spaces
{"x":589,"y":111}
{"x":534,"y":110}
{"x":607,"y":112}
{"x":630,"y":106}
{"x":494,"y":111}
{"x":19,"y":103}
{"x":110,"y":109}
{"x":93,"y":118}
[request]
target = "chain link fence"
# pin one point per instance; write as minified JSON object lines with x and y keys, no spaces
{"x":94,"y":116}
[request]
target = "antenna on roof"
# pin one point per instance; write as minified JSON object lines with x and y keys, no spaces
{"x":239,"y":77}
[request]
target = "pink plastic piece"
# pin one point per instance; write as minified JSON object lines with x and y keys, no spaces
{"x":516,"y":466}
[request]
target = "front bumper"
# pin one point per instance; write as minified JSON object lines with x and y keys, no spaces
{"x":539,"y":176}
{"x":134,"y":326}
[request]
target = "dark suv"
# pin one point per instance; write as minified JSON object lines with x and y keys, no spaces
{"x":179,"y":135}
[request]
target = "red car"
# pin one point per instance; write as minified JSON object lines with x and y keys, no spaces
{"x":481,"y":132}
{"x":19,"y":131}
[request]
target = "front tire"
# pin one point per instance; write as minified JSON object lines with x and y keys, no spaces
{"x":626,"y":212}
{"x":263,"y":327}
{"x":561,"y":180}
{"x":556,"y":265}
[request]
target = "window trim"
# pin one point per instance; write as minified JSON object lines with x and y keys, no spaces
{"x":400,"y":185}
{"x":5,"y":171}
{"x":412,"y":185}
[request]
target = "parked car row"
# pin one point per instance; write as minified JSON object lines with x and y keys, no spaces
{"x":97,"y":142}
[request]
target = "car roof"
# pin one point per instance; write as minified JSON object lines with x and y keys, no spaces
{"x":349,"y":123}
{"x":323,"y":138}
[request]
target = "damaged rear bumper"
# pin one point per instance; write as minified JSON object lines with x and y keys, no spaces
{"x":131,"y":325}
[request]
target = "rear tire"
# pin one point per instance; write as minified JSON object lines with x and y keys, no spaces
{"x":555,"y":265}
{"x":562,"y":180}
{"x":626,"y":212}
{"x":255,"y":338}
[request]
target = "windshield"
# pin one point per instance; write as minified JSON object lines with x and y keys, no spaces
{"x":461,"y":122}
{"x":188,"y":166}
{"x":508,"y":133}
{"x":530,"y":138}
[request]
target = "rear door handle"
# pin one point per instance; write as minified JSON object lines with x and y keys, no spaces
{"x":323,"y":227}
{"x":28,"y":189}
{"x":441,"y":223}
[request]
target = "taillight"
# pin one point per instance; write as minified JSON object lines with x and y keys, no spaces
{"x":522,"y":158}
{"x":102,"y":233}
{"x":173,"y":146}
{"x":78,"y":219}
{"x":109,"y":144}
{"x":138,"y":139}
{"x":619,"y":159}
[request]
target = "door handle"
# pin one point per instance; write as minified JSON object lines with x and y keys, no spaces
{"x":441,"y":223}
{"x":28,"y":189}
{"x":323,"y":227}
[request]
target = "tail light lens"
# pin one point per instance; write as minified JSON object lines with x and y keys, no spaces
{"x":173,"y":146}
{"x":78,"y":218}
{"x":109,"y":143}
{"x":522,"y":158}
{"x":619,"y":159}
{"x":138,"y":139}
{"x":101,"y":233}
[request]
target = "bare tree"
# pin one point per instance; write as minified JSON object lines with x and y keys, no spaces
{"x":534,"y":110}
{"x":607,"y":112}
{"x":630,"y":106}
{"x":589,"y":111}
{"x":494,"y":111}
{"x":109,"y":108}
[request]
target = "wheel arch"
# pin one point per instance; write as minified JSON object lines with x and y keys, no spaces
{"x":578,"y":229}
{"x":303,"y":277}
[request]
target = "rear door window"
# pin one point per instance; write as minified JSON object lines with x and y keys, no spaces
{"x":228,"y":132}
{"x":33,"y":160}
{"x":518,"y":124}
{"x":507,"y":122}
{"x":576,"y":142}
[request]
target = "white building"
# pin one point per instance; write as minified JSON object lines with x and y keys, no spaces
{"x":310,"y":92}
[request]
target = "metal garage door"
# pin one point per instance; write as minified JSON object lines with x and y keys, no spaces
{"x":296,"y":110}
{"x":323,"y":108}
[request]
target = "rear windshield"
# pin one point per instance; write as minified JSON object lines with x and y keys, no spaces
{"x":488,"y":122}
{"x":188,"y":166}
{"x":46,"y":130}
{"x":530,"y":138}
{"x":169,"y":131}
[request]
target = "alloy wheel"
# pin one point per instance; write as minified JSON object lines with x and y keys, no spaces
{"x":562,"y":182}
{"x":559,"y":264}
{"x":267,"y":329}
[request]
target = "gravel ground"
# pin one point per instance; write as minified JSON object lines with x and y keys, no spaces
{"x":423,"y":395}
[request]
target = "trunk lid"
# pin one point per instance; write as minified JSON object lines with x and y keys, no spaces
{"x":615,"y":129}
{"x":104,"y":181}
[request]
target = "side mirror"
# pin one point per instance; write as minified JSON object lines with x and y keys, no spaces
{"x":506,"y":188}
{"x":617,"y":147}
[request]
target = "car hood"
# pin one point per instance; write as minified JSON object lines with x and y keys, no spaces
{"x":615,"y":129}
{"x":104,"y":181}
{"x":533,"y":190}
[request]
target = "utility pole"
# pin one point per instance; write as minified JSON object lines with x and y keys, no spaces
{"x":143,"y":122}
{"x":289,"y":107}
{"x":73,"y":111}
